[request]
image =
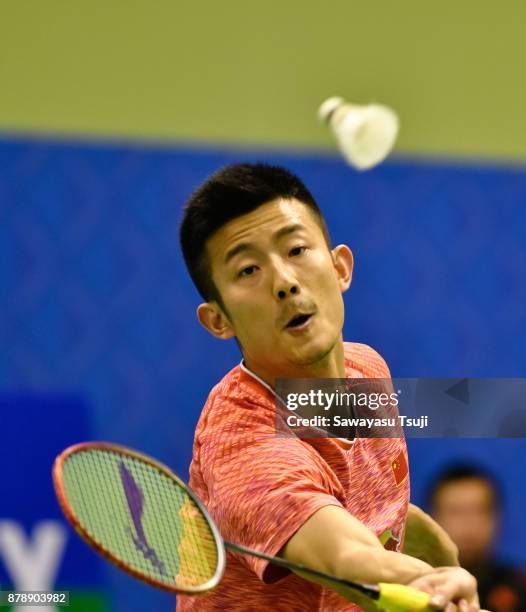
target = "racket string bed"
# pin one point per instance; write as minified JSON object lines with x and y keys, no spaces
{"x":133,"y":512}
{"x":83,"y":477}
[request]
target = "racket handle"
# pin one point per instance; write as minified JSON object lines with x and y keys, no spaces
{"x":401,"y":598}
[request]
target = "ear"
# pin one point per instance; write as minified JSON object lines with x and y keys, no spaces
{"x":214,"y":320}
{"x":343,"y":264}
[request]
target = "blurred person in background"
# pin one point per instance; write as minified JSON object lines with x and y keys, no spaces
{"x":466,"y":501}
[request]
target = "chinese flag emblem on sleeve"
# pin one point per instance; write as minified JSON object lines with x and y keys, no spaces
{"x":400,"y":468}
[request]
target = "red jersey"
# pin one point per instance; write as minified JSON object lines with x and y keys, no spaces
{"x":260,"y":489}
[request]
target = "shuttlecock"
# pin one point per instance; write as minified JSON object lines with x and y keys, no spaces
{"x":365,"y":134}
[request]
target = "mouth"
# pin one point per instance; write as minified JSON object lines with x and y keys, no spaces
{"x":298,"y":321}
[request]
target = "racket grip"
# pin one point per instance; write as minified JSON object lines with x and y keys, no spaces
{"x":401,"y":598}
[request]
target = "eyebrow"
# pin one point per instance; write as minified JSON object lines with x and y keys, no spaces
{"x":246,"y":246}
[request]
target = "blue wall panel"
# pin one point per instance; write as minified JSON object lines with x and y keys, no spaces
{"x":95,"y":300}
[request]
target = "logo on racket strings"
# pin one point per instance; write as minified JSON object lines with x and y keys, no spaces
{"x":135,"y":499}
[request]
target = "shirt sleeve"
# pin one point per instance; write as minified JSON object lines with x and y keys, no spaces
{"x":261,"y":488}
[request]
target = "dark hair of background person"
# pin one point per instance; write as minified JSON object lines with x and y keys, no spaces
{"x":231,"y":192}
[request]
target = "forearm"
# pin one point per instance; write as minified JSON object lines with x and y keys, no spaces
{"x":372,"y":565}
{"x":335,"y":542}
{"x":426,"y":540}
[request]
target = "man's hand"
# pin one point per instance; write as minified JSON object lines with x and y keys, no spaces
{"x":455,"y":584}
{"x":427,"y":541}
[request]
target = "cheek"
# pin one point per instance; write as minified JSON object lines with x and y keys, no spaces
{"x":486,"y":527}
{"x":321,"y":273}
{"x":251,"y":322}
{"x":330,"y":293}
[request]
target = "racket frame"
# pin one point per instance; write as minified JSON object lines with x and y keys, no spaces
{"x":60,"y":489}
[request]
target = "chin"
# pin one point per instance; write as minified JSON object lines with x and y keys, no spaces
{"x":313,"y":355}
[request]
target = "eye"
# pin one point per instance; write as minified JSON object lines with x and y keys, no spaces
{"x":297,"y":251}
{"x":248,"y":271}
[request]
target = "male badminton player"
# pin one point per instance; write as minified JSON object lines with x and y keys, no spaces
{"x":258,"y":250}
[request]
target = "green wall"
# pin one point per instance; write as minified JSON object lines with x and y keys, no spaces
{"x":255,"y":72}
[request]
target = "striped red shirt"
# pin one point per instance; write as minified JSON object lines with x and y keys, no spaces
{"x":260,"y":489}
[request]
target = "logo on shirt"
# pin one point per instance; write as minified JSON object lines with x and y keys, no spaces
{"x":390,"y":541}
{"x":400,"y":468}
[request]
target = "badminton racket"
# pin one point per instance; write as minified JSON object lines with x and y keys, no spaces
{"x":140,"y":516}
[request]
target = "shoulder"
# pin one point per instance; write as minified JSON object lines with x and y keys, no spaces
{"x":236,"y":399}
{"x":366,"y":360}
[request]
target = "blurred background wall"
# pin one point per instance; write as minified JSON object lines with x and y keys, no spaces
{"x":254,"y":73}
{"x":112,"y":113}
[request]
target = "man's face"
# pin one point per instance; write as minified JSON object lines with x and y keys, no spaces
{"x":466,"y":511}
{"x":270,"y":267}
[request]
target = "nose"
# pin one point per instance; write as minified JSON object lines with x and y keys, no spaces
{"x":285,"y":283}
{"x":292,"y":290}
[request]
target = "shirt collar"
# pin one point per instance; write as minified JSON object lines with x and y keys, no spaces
{"x":248,"y":371}
{"x":243,"y":366}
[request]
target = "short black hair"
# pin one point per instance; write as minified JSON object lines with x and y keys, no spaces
{"x":231,"y":192}
{"x":463,"y":471}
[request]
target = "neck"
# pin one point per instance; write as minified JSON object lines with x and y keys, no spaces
{"x":331,"y":365}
